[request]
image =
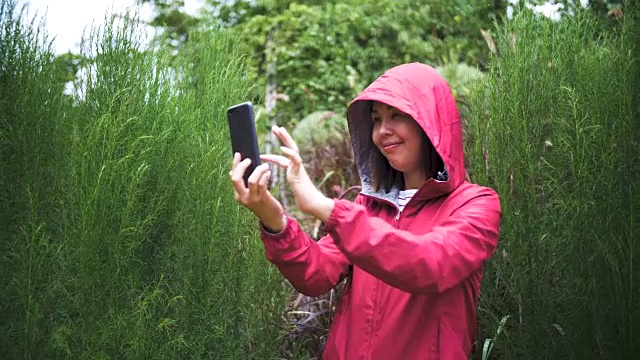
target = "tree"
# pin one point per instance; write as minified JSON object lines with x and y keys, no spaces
{"x":327,"y":52}
{"x":175,"y":22}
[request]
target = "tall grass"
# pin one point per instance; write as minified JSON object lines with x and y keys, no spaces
{"x":555,"y":133}
{"x":119,"y":236}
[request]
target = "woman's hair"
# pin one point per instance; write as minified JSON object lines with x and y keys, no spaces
{"x":385,"y":177}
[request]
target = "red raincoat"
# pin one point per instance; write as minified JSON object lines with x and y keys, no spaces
{"x":414,"y":276}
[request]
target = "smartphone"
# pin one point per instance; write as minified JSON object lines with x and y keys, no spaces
{"x":244,"y":140}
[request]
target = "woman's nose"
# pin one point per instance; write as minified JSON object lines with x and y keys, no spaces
{"x":384,"y":128}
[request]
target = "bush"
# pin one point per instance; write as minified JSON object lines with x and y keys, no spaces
{"x":120,"y":235}
{"x":555,"y":133}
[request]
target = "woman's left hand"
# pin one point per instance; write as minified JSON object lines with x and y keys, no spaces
{"x":308,"y":198}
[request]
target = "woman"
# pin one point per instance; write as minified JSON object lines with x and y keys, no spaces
{"x":414,"y":242}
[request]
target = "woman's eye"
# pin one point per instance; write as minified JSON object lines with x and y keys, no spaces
{"x":375,"y":119}
{"x":399,"y":116}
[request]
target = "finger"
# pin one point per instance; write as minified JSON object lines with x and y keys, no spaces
{"x":254,"y":179}
{"x":294,"y":156}
{"x":264,"y":181}
{"x":286,"y":139}
{"x":279,"y":160}
{"x":236,"y":160}
{"x":237,"y":174}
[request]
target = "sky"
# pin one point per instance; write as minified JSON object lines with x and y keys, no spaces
{"x":67,"y":19}
{"x":549,"y":9}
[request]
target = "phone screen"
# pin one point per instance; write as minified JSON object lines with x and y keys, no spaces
{"x":244,"y":139}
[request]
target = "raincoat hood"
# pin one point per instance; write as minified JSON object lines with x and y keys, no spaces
{"x":421,"y":92}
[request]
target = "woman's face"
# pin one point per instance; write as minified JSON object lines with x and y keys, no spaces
{"x":399,"y":139}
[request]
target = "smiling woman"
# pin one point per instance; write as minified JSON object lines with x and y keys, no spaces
{"x":412,"y":250}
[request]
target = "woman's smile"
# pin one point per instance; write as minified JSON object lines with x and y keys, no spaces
{"x":391,"y":147}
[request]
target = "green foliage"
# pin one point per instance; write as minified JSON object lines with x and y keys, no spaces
{"x":175,"y":23}
{"x":29,"y":180}
{"x":461,"y":78}
{"x":67,"y":66}
{"x":555,"y":133}
{"x":320,"y":128}
{"x":120,"y":237}
{"x":325,"y":148}
{"x":326,"y":53}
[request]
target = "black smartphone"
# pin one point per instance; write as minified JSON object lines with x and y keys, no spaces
{"x":244,"y":140}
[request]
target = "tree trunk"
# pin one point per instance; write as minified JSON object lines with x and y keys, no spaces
{"x":271,"y":93}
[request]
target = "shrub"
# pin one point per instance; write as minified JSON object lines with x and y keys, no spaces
{"x":120,"y":235}
{"x":555,"y":134}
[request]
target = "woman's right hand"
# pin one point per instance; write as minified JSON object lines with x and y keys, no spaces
{"x":256,"y":197}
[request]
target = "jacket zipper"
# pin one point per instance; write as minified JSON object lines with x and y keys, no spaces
{"x":376,"y":290}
